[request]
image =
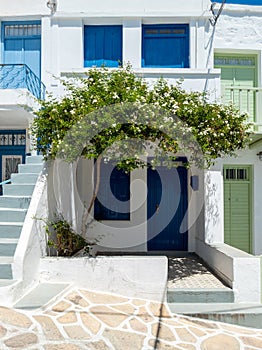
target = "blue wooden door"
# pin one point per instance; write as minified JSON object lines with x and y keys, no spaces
{"x":12,"y":151}
{"x":22,"y":45}
{"x":166,"y":208}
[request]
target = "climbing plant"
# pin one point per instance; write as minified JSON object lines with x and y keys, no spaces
{"x":100,"y":111}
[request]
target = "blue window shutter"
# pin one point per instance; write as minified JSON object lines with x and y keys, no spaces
{"x":165,"y":46}
{"x":102,"y":46}
{"x":106,"y":208}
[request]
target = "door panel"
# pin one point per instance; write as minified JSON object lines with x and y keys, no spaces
{"x":237,"y":213}
{"x":32,"y":53}
{"x":23,"y":47}
{"x":166,"y":206}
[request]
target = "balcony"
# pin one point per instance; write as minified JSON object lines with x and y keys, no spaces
{"x":248,"y":100}
{"x":20,"y":76}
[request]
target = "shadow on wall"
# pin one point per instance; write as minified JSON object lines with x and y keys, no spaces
{"x":211,"y":207}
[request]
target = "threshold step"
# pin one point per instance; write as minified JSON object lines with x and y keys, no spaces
{"x":6,"y":271}
{"x":34,"y":160}
{"x":26,"y":178}
{"x":10,"y":229}
{"x":6,"y":248}
{"x":40,"y":295}
{"x":6,"y":282}
{"x":242,"y":314}
{"x":18,"y":190}
{"x":205,"y":295}
{"x":30,"y":168}
{"x":19,"y":202}
{"x":6,"y":260}
{"x":12,"y":214}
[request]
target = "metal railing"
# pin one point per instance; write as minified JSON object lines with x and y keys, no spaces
{"x":246,"y":99}
{"x":5,"y":182}
{"x":17,"y":76}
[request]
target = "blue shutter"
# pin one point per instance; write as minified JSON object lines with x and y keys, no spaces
{"x":102,"y":46}
{"x":106,"y":206}
{"x":165,"y":46}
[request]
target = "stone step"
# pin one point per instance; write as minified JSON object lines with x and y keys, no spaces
{"x":34,"y":160}
{"x":30,"y":168}
{"x":8,"y":247}
{"x":6,"y":271}
{"x":15,"y":202}
{"x":241,"y":314}
{"x":205,"y":295}
{"x":10,"y":229}
{"x":24,"y":178}
{"x":12,"y":214}
{"x":18,"y":190}
{"x":41,"y":295}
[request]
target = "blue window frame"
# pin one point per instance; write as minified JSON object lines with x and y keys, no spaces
{"x":165,"y":45}
{"x":113,"y":200}
{"x":102,"y":45}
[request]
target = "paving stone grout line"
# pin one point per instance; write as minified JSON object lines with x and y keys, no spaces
{"x":83,"y":319}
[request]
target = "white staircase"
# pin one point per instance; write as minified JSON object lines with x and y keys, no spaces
{"x":13,"y":208}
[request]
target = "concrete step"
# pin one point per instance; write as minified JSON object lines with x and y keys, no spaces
{"x":18,"y":190}
{"x":8,"y":246}
{"x":15,"y":202}
{"x":24,"y":178}
{"x":6,"y":271}
{"x":30,"y":168}
{"x":41,"y":295}
{"x":34,"y":160}
{"x":248,"y":315}
{"x":10,"y":229}
{"x":6,"y":282}
{"x":12,"y":214}
{"x":205,"y":295}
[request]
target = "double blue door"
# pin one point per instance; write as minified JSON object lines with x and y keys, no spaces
{"x":167,"y":202}
{"x":22,"y":44}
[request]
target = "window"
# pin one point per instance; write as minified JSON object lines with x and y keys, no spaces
{"x":112,"y":202}
{"x":102,"y":46}
{"x":165,"y":46}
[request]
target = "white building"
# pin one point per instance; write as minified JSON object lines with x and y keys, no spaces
{"x":174,"y":40}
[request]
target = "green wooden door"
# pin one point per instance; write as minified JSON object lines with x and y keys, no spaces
{"x":238,"y":73}
{"x":237,"y":207}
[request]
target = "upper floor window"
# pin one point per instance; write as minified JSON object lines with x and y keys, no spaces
{"x":165,"y":45}
{"x":102,"y":45}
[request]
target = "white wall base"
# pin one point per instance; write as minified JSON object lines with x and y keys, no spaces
{"x":240,"y":270}
{"x":133,"y":276}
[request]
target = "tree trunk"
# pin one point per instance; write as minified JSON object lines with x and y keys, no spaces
{"x":88,"y":210}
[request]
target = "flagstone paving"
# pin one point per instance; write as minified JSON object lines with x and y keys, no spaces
{"x":85,"y":320}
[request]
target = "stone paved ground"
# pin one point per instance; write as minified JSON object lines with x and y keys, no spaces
{"x":95,"y":321}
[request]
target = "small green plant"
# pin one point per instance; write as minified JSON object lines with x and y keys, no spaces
{"x":63,"y":238}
